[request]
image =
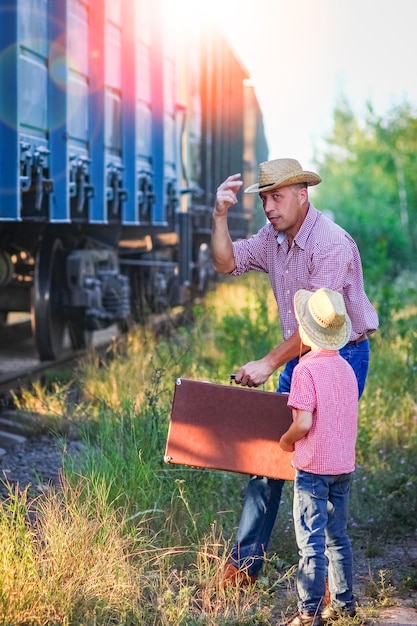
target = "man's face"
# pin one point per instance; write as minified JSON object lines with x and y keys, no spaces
{"x":285,"y":208}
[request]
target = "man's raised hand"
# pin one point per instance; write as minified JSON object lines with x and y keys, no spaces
{"x":226,"y":193}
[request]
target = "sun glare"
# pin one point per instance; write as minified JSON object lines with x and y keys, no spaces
{"x":186,"y":14}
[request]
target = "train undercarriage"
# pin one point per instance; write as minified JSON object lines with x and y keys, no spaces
{"x":78,"y":284}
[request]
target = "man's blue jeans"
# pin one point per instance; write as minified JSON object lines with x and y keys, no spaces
{"x":321,"y":505}
{"x":263,"y":495}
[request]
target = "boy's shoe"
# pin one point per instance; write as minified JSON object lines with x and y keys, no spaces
{"x":304,"y":620}
{"x":234,"y":577}
{"x":330,"y":613}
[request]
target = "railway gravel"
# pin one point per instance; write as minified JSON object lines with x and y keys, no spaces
{"x":33,"y":462}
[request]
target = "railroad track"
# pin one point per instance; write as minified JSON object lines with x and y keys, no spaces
{"x":19,"y":363}
{"x":20,"y":366}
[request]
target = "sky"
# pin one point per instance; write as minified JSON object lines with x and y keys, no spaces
{"x":303,"y":55}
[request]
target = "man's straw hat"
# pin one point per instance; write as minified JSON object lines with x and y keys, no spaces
{"x":281,"y":173}
{"x":323,"y":317}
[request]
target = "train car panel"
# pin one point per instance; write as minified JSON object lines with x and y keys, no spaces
{"x":114,"y":97}
{"x":144,"y":141}
{"x":255,"y":149}
{"x":170,"y":185}
{"x":129,"y":114}
{"x":120,"y":121}
{"x":223,"y":136}
{"x":157,"y":108}
{"x":33,"y":110}
{"x":59,"y":116}
{"x":10,"y":151}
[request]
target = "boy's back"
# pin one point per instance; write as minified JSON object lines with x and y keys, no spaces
{"x":325,"y":385}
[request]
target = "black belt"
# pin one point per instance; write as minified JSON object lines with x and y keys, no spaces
{"x":363,"y":337}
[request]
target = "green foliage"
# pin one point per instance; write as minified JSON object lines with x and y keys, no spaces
{"x":384,"y":491}
{"x":370,"y":186}
{"x":250,"y":326}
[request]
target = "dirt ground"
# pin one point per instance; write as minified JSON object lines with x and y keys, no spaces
{"x":398,"y":616}
{"x":385,"y":586}
{"x":391,"y":576}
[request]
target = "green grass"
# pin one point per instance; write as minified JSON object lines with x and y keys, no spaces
{"x":130,"y":540}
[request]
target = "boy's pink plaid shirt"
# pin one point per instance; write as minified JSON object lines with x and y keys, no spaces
{"x":324,"y":384}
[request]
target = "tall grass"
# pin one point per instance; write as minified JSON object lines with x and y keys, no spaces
{"x":128,"y":539}
{"x":65,"y":559}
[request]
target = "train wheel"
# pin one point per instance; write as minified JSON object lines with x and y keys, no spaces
{"x":48,"y":317}
{"x":79,"y":337}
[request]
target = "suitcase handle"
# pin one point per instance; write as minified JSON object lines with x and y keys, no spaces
{"x":233,"y":376}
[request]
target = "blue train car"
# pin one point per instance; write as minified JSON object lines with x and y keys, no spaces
{"x":115,"y":131}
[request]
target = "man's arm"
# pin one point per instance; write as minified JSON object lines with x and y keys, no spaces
{"x":255,"y":373}
{"x":298,"y":429}
{"x":221,"y":243}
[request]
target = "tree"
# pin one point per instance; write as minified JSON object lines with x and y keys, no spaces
{"x":370,"y":185}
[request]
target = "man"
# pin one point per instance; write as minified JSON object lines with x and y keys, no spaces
{"x":299,"y":248}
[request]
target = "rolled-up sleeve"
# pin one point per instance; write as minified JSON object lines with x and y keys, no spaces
{"x":251,"y":254}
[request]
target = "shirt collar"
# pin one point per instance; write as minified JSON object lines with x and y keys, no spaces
{"x":303,"y":234}
{"x":306,"y":227}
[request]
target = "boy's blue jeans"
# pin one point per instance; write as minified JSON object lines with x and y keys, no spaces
{"x":321,"y":505}
{"x":263,"y":495}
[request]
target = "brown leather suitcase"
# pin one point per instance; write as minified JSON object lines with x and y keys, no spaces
{"x":229,"y":428}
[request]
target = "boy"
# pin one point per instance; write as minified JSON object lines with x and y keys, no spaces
{"x":324,"y":400}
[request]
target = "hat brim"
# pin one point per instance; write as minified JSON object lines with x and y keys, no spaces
{"x":303,"y":177}
{"x":321,"y":337}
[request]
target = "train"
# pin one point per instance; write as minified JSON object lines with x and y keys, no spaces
{"x":118,"y":120}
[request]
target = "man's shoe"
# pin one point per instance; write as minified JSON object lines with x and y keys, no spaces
{"x":234,"y":577}
{"x":326,"y":599}
{"x":331,"y":613}
{"x":304,"y":620}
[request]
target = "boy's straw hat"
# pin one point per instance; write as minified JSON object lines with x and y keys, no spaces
{"x":280,"y":173}
{"x":323,"y":317}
